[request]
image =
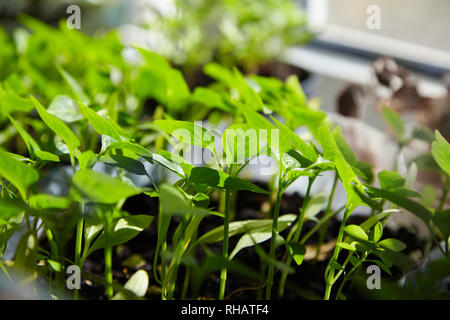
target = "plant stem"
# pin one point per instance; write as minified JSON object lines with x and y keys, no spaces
{"x":347,"y":276}
{"x":324,"y":229}
{"x":276,"y":212}
{"x":298,"y":230}
{"x":223,"y":273}
{"x":329,"y":273}
{"x":78,"y":244}
{"x":109,"y":290}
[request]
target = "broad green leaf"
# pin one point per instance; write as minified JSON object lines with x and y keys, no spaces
{"x":87,"y":159}
{"x":47,"y":201}
{"x":271,"y":134}
{"x":390,"y":180}
{"x":57,"y":126}
{"x":441,"y":219}
{"x":377,"y":232}
{"x":428,"y":196}
{"x":173,"y":202}
{"x":315,"y":205}
{"x":188,"y":132}
{"x":221,"y":180}
{"x":210,"y":99}
{"x":238,"y":227}
{"x":10,"y":208}
{"x":356,"y":232}
{"x":410,"y":205}
{"x":136,"y":286}
{"x":101,"y":125}
{"x":394,"y":121}
{"x":31,"y":144}
{"x":64,"y":108}
{"x":124,"y":230}
{"x":258,"y":235}
{"x":46,"y":156}
{"x":240,"y":142}
{"x":392,"y":244}
{"x":18,"y":173}
{"x":364,"y":170}
{"x":297,"y":251}
{"x":347,"y":246}
{"x":102,"y":188}
{"x":441,"y":152}
{"x":296,"y":142}
{"x":10,"y":103}
{"x":347,"y":175}
{"x":55,"y":265}
{"x":75,"y":86}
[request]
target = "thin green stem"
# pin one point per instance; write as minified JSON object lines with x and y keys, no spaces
{"x":109,"y":290}
{"x":324,"y":229}
{"x":275,"y":215}
{"x":226,"y":226}
{"x":348,"y":275}
{"x":298,"y":229}
{"x":78,"y":244}
{"x":329,"y":273}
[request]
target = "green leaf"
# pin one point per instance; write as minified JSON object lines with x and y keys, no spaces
{"x":392,"y":244}
{"x":390,"y":180}
{"x":10,"y":208}
{"x":377,"y":232}
{"x":18,"y":173}
{"x":261,"y":234}
{"x":46,"y":156}
{"x":296,"y":142}
{"x":102,"y":188}
{"x":315,"y":205}
{"x":356,"y":232}
{"x":297,"y":251}
{"x":57,"y":126}
{"x":87,"y":159}
{"x":347,"y":246}
{"x":346,"y":173}
{"x":124,"y":230}
{"x":75,"y":86}
{"x":238,"y":227}
{"x":135,"y":287}
{"x":210,"y":99}
{"x":442,"y":220}
{"x":394,"y":121}
{"x":31,"y":144}
{"x":100,"y":124}
{"x":221,"y":180}
{"x":55,"y":265}
{"x":440,"y":150}
{"x":173,"y":202}
{"x":240,"y":142}
{"x":410,"y":205}
{"x":46,"y":201}
{"x":188,"y":132}
{"x":11,"y":102}
{"x":364,"y":170}
{"x":64,"y":108}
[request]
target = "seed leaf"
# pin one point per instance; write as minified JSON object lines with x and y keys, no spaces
{"x":440,"y":150}
{"x":124,"y":230}
{"x":102,"y":188}
{"x":392,"y":244}
{"x":57,"y":126}
{"x":221,"y":180}
{"x":356,"y":232}
{"x":18,"y":173}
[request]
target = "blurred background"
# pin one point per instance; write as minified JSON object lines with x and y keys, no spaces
{"x":353,"y":56}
